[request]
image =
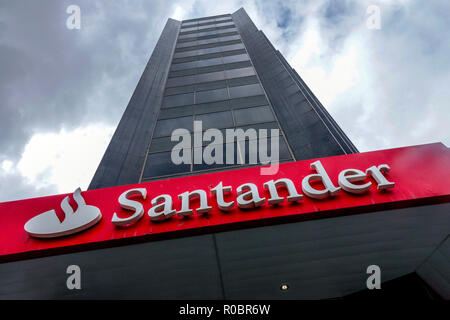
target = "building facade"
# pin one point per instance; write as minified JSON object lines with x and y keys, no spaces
{"x":223,"y":71}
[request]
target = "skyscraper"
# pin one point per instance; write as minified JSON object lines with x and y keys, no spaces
{"x":223,"y":71}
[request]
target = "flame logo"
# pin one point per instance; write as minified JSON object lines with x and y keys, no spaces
{"x":48,"y":225}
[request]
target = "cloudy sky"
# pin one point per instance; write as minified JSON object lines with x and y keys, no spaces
{"x":62,"y":91}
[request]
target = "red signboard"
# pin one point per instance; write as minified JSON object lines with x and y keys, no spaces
{"x":421,"y":175}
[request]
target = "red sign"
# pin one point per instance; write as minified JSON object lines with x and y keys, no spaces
{"x":421,"y":175}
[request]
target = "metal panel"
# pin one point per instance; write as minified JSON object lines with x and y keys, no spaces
{"x":173,"y":269}
{"x":328,"y":258}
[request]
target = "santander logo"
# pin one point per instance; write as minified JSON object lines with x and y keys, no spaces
{"x":48,"y":225}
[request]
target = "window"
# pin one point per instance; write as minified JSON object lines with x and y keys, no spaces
{"x":207,"y":41}
{"x":253,"y":115}
{"x":223,"y":24}
{"x":246,"y":91}
{"x":184,"y":54}
{"x":230,"y":38}
{"x":163,"y":144}
{"x":212,"y":95}
{"x":242,"y":72}
{"x":211,"y":85}
{"x":208,"y":50}
{"x":242,"y":81}
{"x":178,"y":100}
{"x":213,"y":76}
{"x":185,"y":65}
{"x":188,"y":24}
{"x":249,"y":101}
{"x":233,"y":52}
{"x":223,"y":18}
{"x":236,"y":58}
{"x":212,"y":107}
{"x":189,"y":29}
{"x":238,"y":65}
{"x":180,"y":81}
{"x":257,"y":126}
{"x":233,"y":47}
{"x":167,"y":126}
{"x":178,"y":90}
{"x":175,"y":112}
{"x":209,"y":62}
{"x":159,"y":164}
{"x":186,"y":44}
{"x":215,"y":120}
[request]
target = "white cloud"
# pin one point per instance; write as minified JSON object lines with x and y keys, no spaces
{"x":67,"y":159}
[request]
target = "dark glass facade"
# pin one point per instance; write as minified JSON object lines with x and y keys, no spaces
{"x":214,"y":72}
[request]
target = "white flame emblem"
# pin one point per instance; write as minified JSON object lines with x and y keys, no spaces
{"x":47,"y":224}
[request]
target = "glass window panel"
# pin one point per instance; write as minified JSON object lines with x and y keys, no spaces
{"x":186,"y":44}
{"x":234,"y":29}
{"x":178,"y":90}
{"x":181,"y":73}
{"x":189,"y":29}
{"x":212,"y":107}
{"x":232,"y":52}
{"x":211,"y":85}
{"x":236,"y":58}
{"x":180,"y":81}
{"x":238,"y":65}
{"x":208,"y":50}
{"x":206,"y":33}
{"x":209,"y":62}
{"x":223,"y":18}
{"x":249,"y":101}
{"x":175,"y":112}
{"x":167,"y":126}
{"x":224,"y":24}
{"x":184,"y":65}
{"x":184,"y":54}
{"x":257,"y":126}
{"x":213,"y":76}
{"x":165,"y":144}
{"x":233,"y":47}
{"x":242,"y":72}
{"x":159,"y":164}
{"x":215,"y":120}
{"x":242,"y":81}
{"x":218,"y":67}
{"x":211,"y":95}
{"x":207,"y":41}
{"x":246,"y":91}
{"x":186,"y":59}
{"x":186,"y":24}
{"x":178,"y":100}
{"x":253,"y":115}
{"x":209,"y":26}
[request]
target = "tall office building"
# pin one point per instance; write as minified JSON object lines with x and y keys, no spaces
{"x":224,"y":72}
